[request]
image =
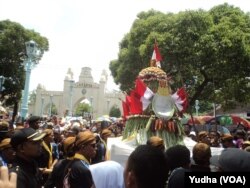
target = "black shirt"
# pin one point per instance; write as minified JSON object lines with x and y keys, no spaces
{"x":57,"y":175}
{"x":28,"y":173}
{"x":80,"y":175}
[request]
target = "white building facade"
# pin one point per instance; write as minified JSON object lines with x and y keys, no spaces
{"x":74,"y":92}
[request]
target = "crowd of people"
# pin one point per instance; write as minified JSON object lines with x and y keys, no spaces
{"x":52,"y":153}
{"x":238,"y":137}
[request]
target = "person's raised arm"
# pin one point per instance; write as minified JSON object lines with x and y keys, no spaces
{"x":7,"y":180}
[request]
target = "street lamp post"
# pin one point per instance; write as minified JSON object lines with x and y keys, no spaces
{"x":42,"y":106}
{"x":51,"y":102}
{"x":71,"y":96}
{"x":108,"y":102}
{"x":91,"y":103}
{"x":33,"y":55}
{"x":197,"y":107}
{"x":91,"y":111}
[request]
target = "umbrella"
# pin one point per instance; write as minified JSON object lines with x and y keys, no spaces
{"x":113,"y":119}
{"x":103,"y":118}
{"x":228,"y":120}
{"x":199,"y":120}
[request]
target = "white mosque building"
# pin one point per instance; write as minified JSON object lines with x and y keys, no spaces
{"x":75,"y":92}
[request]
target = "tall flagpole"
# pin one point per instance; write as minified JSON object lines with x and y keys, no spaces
{"x":189,"y":106}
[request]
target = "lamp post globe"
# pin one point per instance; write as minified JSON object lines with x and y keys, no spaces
{"x":31,"y":59}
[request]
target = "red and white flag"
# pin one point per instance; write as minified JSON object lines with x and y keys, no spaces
{"x":180,"y":99}
{"x":144,"y":92}
{"x":156,"y":56}
{"x":128,"y":103}
{"x":125,"y":108}
{"x":136,"y":105}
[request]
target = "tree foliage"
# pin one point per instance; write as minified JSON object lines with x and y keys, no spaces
{"x":12,"y":48}
{"x":81,"y":108}
{"x":53,"y":109}
{"x":206,"y":51}
{"x":115,"y":111}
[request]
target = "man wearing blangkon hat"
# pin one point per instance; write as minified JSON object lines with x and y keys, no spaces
{"x":79,"y":174}
{"x":27,"y":144}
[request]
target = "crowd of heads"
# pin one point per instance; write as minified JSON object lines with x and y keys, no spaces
{"x":152,"y":164}
{"x":238,"y":137}
{"x":49,"y":140}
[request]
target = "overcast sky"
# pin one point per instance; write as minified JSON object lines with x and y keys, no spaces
{"x":87,"y":32}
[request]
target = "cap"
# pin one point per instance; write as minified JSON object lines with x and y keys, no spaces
{"x":68,"y":142}
{"x":232,"y":160}
{"x":226,"y":137}
{"x":84,"y":137}
{"x":202,"y":134}
{"x":106,"y":132}
{"x":5,"y":143}
{"x":33,"y":119}
{"x":23,"y":135}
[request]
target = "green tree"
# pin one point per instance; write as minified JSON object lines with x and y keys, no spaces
{"x":12,"y":48}
{"x":53,"y":109}
{"x":115,"y":112}
{"x":32,"y":97}
{"x":206,"y":51}
{"x":81,"y":108}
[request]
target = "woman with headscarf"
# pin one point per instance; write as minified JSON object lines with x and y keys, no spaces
{"x":108,"y":174}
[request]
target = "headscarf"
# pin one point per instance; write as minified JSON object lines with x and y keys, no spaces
{"x":107,"y":174}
